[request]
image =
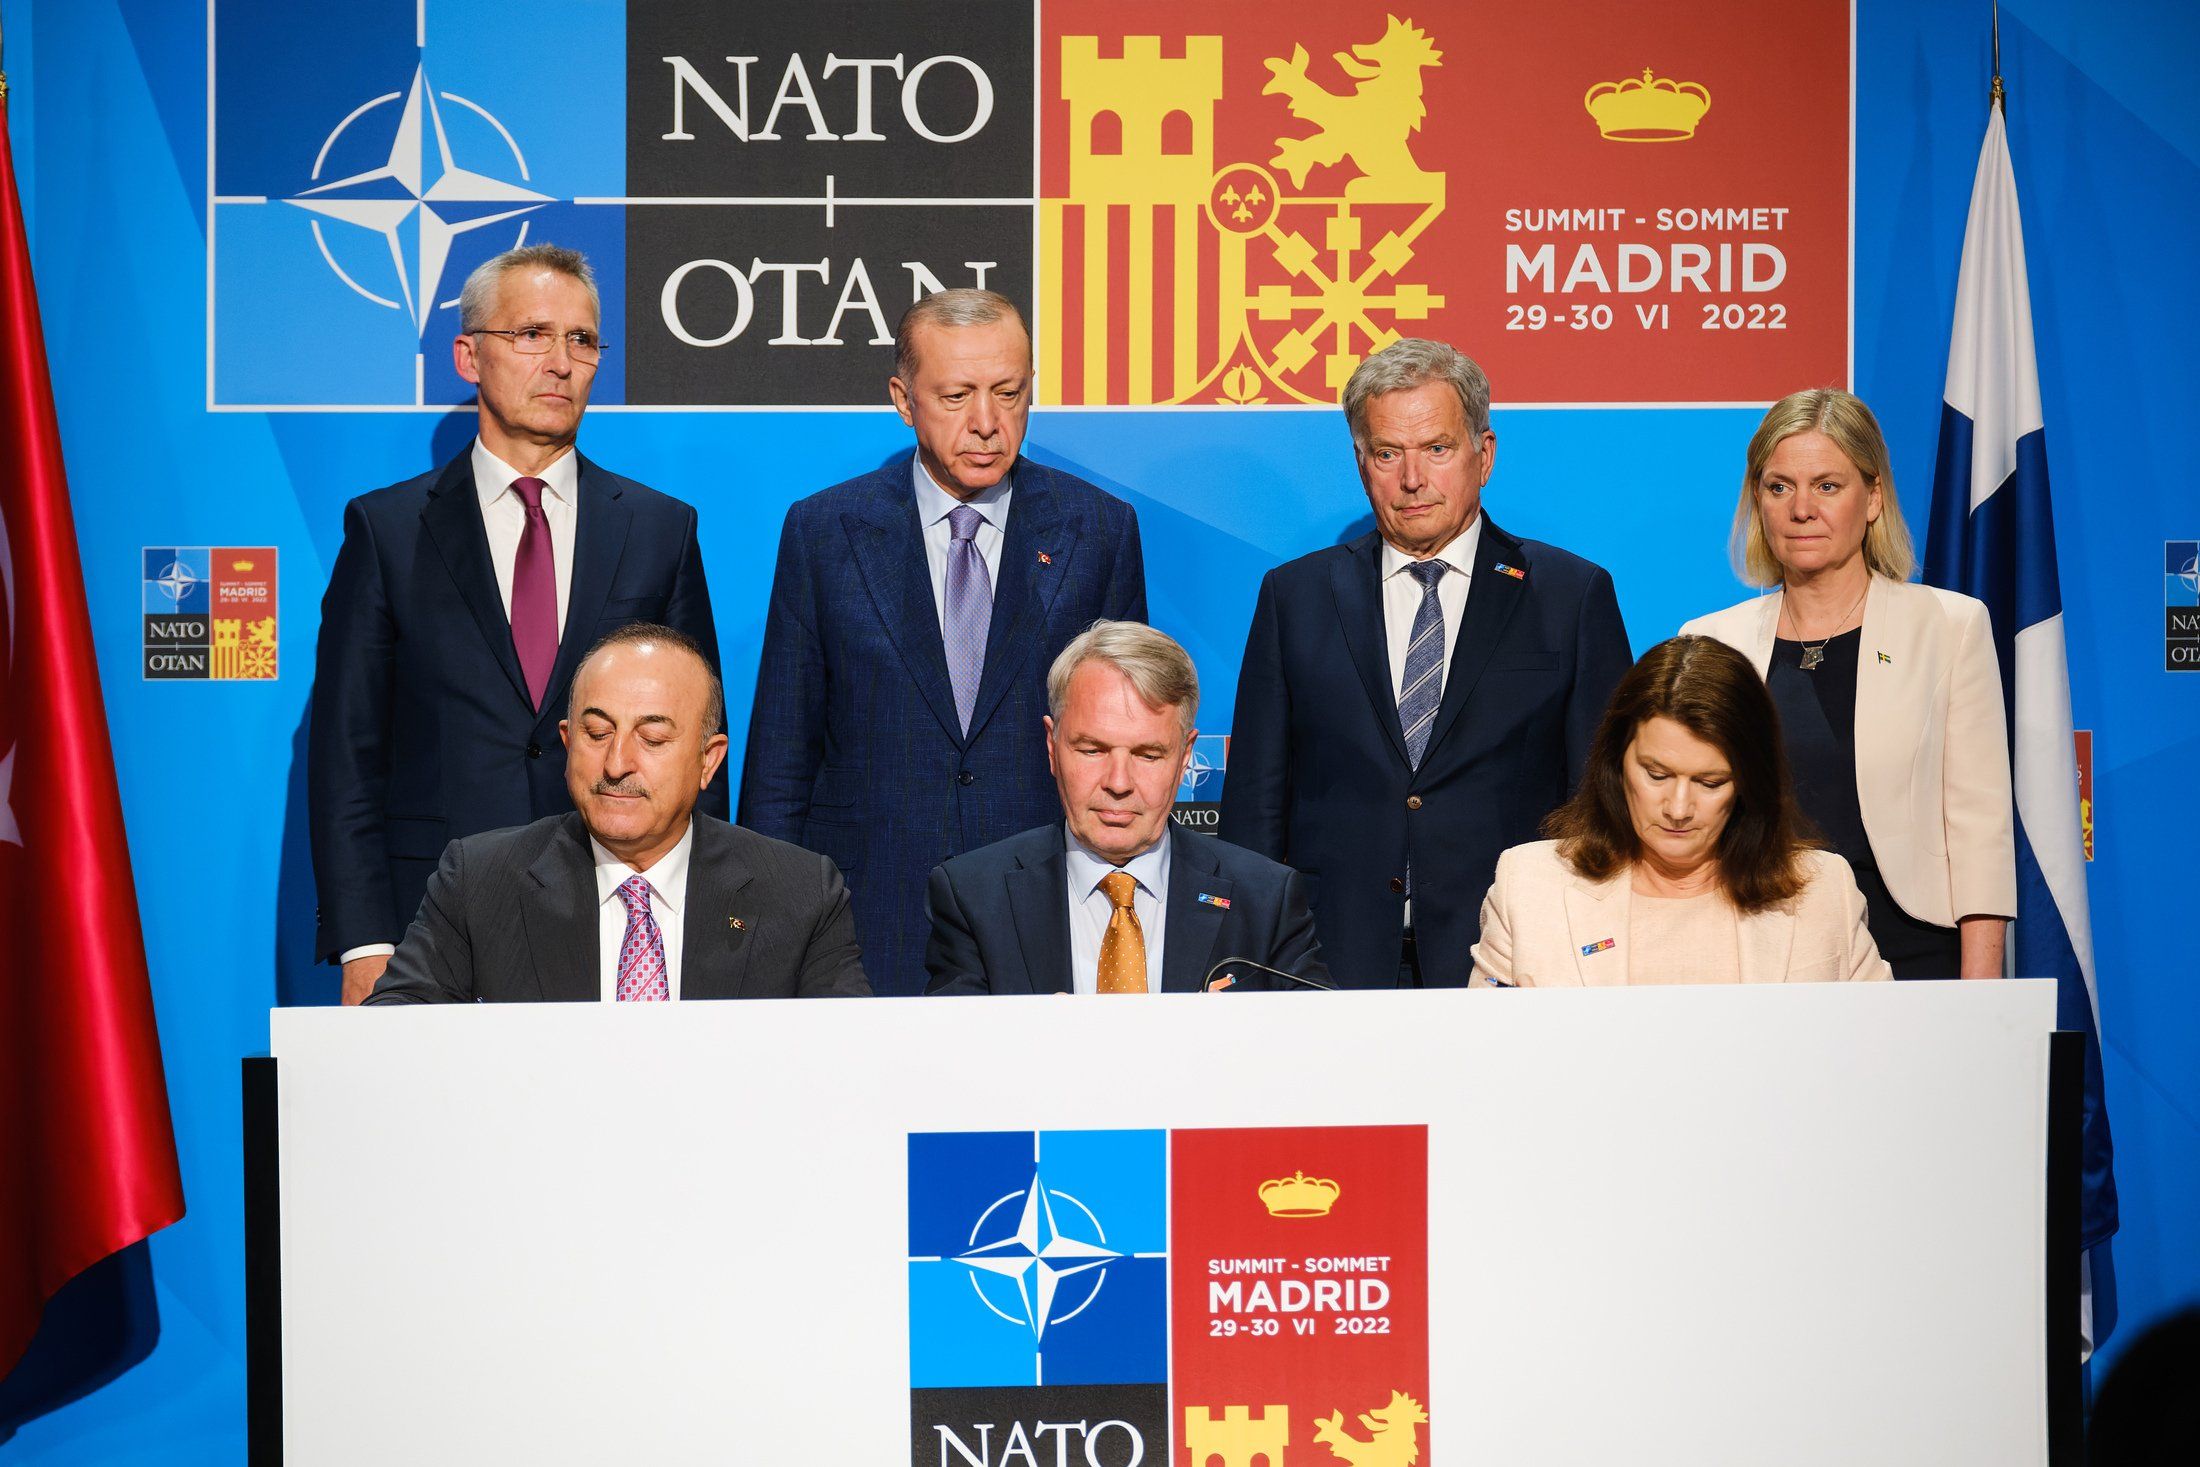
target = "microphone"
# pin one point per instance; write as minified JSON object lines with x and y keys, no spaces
{"x":1210,"y":984}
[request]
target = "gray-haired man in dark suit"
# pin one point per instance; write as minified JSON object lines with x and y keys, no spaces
{"x":633,"y":897}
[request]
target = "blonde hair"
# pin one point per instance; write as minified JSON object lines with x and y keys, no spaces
{"x":1844,"y":419}
{"x":1159,"y":669}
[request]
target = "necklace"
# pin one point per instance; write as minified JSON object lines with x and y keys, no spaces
{"x":1814,"y":653}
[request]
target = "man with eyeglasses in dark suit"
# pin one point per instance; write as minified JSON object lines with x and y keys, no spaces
{"x":462,"y":600}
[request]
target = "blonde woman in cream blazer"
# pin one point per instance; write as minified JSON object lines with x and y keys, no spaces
{"x":1681,"y":857}
{"x":1923,"y":808}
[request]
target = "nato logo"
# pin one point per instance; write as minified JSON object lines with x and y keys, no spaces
{"x":177,"y":580}
{"x":2181,"y":572}
{"x":366,"y":158}
{"x":1037,"y":1258}
{"x":1210,"y":759}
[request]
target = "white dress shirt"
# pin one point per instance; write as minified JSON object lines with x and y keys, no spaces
{"x":505,"y":518}
{"x":1090,"y":909}
{"x":1402,"y":598}
{"x":668,"y":880}
{"x":934,"y":504}
{"x":1402,"y":602}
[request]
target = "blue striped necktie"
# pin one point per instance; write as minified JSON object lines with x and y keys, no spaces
{"x":969,"y":609}
{"x":1423,"y":685}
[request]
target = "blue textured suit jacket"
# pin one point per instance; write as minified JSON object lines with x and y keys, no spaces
{"x":854,"y":747}
{"x":1000,"y":916}
{"x":1318,"y":772}
{"x":422,"y":730}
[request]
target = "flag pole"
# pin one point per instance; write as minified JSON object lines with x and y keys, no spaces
{"x":2000,"y":93}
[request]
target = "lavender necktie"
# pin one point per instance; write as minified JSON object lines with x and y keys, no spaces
{"x":534,"y":594}
{"x":969,"y":609}
{"x":642,"y":972}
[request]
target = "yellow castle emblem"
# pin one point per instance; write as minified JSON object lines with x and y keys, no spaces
{"x":1170,"y":274}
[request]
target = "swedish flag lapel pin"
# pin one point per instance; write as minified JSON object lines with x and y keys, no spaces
{"x":1883,"y":657}
{"x":1510,"y":570}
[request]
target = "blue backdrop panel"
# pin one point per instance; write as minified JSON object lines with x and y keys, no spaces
{"x":110,"y":119}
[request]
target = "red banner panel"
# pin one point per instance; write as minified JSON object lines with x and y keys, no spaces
{"x":1613,"y":204}
{"x":1298,"y":1295}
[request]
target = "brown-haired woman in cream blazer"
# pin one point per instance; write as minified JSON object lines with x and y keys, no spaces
{"x":1889,"y":693}
{"x":1681,"y":857}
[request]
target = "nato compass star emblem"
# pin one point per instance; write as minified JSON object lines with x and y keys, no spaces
{"x":176,"y":581}
{"x":1196,"y":771}
{"x":1055,"y":1273}
{"x":429,"y":188}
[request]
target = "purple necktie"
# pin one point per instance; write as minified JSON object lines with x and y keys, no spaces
{"x":969,"y":609}
{"x":534,"y":594}
{"x":642,"y":974}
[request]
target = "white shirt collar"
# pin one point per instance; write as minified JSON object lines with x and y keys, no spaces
{"x":1459,"y":554}
{"x":493,"y":476}
{"x":1149,"y":868}
{"x":935,"y":503}
{"x":667,"y":878}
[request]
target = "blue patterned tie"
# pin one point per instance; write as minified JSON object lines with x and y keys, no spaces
{"x":1424,"y":676}
{"x":969,"y":609}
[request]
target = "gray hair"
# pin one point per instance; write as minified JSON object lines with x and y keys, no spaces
{"x":636,"y":632}
{"x":962,"y":307}
{"x":478,"y":301}
{"x":1411,"y":362}
{"x":1158,"y":667}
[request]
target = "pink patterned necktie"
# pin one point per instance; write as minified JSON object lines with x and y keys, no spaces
{"x":642,"y":975}
{"x":534,"y":594}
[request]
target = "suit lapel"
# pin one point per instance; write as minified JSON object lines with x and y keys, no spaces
{"x":1596,"y":914}
{"x":601,"y":520}
{"x":1356,"y":581}
{"x":714,"y":953}
{"x":1765,"y":630}
{"x":1891,"y":694}
{"x":1194,"y":926}
{"x":1038,"y":898}
{"x":453,"y":520}
{"x":1492,"y":598}
{"x":888,"y":543}
{"x":1024,"y":591}
{"x":1765,"y":938}
{"x":558,"y":910}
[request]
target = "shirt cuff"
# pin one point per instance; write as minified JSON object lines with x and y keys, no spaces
{"x":371,"y":950}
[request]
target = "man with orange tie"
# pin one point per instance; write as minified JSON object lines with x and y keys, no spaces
{"x":1117,"y":898}
{"x":462,"y":600}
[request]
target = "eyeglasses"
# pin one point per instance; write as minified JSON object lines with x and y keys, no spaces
{"x":535,"y":341}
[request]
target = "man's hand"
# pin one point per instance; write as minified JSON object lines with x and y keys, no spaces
{"x":360,"y":976}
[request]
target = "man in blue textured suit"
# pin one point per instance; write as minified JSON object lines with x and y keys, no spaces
{"x":461,"y":602}
{"x":1416,"y":700}
{"x":1112,"y":896}
{"x":913,"y":615}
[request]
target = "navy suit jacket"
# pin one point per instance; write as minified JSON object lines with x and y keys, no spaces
{"x":422,"y":730}
{"x":854,"y":747}
{"x":1318,"y":773}
{"x":1000,"y":917}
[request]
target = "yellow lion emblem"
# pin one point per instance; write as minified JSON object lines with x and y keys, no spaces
{"x":1372,"y":124}
{"x":1394,"y":1439}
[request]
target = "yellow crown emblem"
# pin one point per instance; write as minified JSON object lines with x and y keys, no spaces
{"x":1655,"y":109}
{"x":1299,"y":1195}
{"x":240,"y":565}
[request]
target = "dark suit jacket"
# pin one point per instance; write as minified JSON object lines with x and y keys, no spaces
{"x":854,"y":747}
{"x":1000,"y":916}
{"x":1318,"y":772}
{"x":422,"y":730}
{"x":511,"y":917}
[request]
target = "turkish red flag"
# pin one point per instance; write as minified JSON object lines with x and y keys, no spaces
{"x":87,"y":1156}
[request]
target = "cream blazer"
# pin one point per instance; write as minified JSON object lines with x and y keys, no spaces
{"x":1932,"y":744}
{"x":1545,"y":926}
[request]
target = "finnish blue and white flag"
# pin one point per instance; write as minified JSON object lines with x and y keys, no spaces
{"x":1993,"y":537}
